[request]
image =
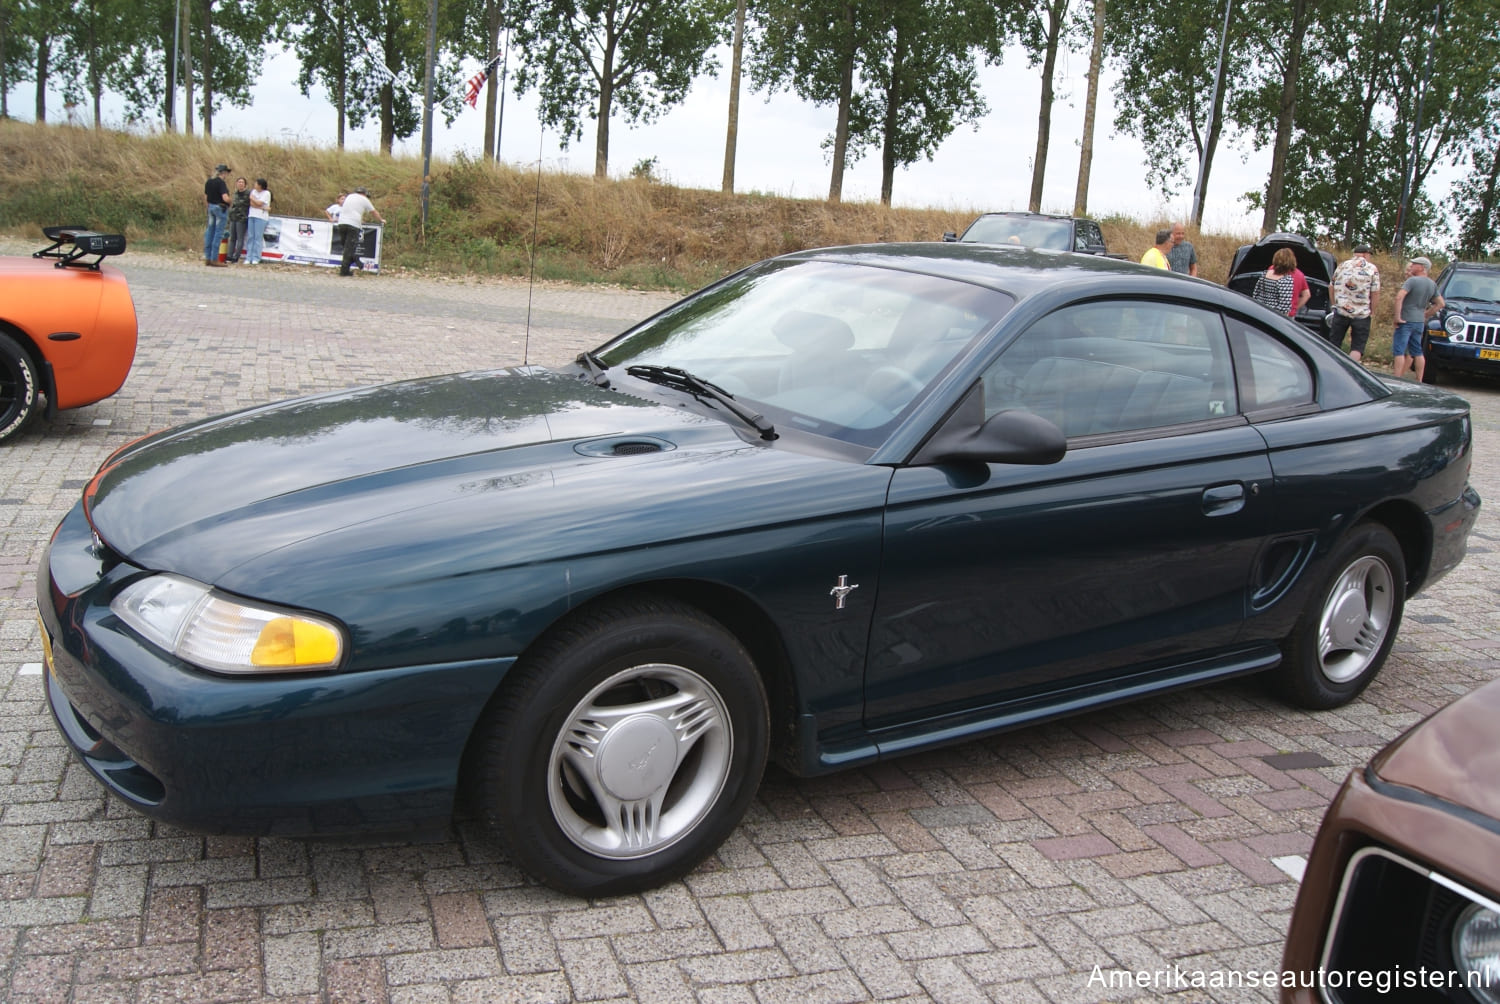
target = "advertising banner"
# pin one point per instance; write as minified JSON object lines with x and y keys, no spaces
{"x":300,"y":241}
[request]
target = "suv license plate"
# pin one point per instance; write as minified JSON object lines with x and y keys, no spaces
{"x":1489,"y":353}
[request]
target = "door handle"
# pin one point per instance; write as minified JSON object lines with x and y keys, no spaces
{"x":1223,"y":500}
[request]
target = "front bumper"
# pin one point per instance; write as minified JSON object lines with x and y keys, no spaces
{"x":1470,"y":356}
{"x":1392,"y":923}
{"x":378,"y":750}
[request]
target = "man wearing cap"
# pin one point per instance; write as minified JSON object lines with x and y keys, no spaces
{"x":357,"y":206}
{"x":1355,"y":285}
{"x":216,"y":194}
{"x":1415,"y":303}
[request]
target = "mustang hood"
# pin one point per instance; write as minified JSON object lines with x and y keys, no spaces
{"x":338,"y":460}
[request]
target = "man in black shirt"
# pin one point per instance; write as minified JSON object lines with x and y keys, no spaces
{"x":216,"y":195}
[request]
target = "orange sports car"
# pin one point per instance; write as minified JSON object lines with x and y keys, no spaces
{"x":67,"y":326}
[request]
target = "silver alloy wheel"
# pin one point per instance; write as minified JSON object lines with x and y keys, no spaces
{"x":1356,"y":619}
{"x":640,"y":761}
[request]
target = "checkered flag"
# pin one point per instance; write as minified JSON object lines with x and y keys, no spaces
{"x":377,"y":74}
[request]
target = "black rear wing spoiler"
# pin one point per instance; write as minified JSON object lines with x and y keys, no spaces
{"x":70,"y":245}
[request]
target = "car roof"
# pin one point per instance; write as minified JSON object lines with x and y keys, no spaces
{"x":1026,"y":214}
{"x":1019,"y":271}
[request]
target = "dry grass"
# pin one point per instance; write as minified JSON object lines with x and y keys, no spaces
{"x":482,"y":217}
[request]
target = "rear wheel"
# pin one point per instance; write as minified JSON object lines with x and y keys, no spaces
{"x":1342,"y":641}
{"x":624,"y":750}
{"x":19,"y":394}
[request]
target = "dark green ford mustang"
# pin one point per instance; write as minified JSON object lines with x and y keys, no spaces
{"x":842,"y":505}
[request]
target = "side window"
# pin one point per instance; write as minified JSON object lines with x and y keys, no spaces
{"x":1087,"y":236}
{"x":1276,"y":377}
{"x":1117,"y":366}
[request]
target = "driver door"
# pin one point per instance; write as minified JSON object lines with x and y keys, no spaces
{"x":1011,"y":585}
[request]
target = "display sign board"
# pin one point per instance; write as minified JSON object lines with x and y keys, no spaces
{"x":300,"y":241}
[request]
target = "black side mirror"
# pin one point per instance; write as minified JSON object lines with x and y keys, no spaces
{"x":950,"y":236}
{"x":1012,"y":436}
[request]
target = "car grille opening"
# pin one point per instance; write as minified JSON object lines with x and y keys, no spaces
{"x":1477,"y":333}
{"x":1394,"y":916}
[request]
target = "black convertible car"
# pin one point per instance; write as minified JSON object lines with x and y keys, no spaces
{"x":842,"y":505}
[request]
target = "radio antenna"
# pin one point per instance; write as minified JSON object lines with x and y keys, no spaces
{"x":536,"y":212}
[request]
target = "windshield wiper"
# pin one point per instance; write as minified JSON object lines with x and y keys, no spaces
{"x":594,"y":366}
{"x":680,"y":379}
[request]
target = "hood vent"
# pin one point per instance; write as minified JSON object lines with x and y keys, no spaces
{"x":623,"y":446}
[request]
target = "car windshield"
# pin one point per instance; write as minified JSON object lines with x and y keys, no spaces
{"x":836,"y":349}
{"x":1027,"y":231}
{"x":1474,"y":286}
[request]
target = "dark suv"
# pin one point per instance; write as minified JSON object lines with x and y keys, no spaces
{"x":1035,"y":230}
{"x":1465,"y":334}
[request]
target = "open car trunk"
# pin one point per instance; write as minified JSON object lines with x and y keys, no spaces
{"x":1251,"y":260}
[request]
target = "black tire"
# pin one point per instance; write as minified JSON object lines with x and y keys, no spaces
{"x":20,"y":392}
{"x":624,"y":750}
{"x":1431,"y":374}
{"x":1343,"y":638}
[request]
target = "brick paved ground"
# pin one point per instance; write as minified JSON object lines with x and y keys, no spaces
{"x":1006,"y":870}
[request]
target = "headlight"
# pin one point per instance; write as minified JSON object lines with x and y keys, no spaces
{"x":1454,"y":324}
{"x":1476,"y":949}
{"x":211,"y":630}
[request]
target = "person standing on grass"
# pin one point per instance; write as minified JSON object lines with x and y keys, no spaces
{"x":216,"y":195}
{"x":239,"y":216}
{"x":260,"y":215}
{"x":1355,"y":286}
{"x":356,"y":207}
{"x":1416,"y":301}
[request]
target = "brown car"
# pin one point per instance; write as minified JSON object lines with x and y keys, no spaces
{"x":1401,"y":897}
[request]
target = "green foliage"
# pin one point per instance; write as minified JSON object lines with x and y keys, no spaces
{"x":16,"y":49}
{"x":1476,"y":203}
{"x":1167,"y":54}
{"x":646,"y":169}
{"x":586,"y":57}
{"x":903,"y":72}
{"x":79,"y":196}
{"x":1358,"y":119}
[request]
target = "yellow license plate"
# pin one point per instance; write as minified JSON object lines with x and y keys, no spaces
{"x":46,"y":644}
{"x":1489,"y":353}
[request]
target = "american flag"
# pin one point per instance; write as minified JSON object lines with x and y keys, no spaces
{"x":476,"y":82}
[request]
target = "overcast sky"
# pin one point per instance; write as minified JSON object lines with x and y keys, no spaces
{"x":780,"y":148}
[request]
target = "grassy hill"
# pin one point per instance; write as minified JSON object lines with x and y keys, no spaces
{"x":482,"y":217}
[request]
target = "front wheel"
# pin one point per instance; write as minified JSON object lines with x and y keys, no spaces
{"x":19,"y":394}
{"x":624,"y":750}
{"x":1341,"y":642}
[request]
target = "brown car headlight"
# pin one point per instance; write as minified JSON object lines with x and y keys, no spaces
{"x":224,"y":634}
{"x":1476,"y":949}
